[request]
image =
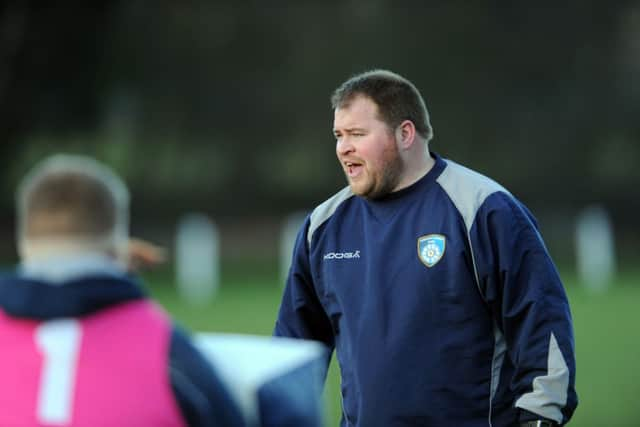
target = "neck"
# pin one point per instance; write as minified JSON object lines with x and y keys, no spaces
{"x":417,"y":165}
{"x":61,"y":268}
{"x":41,"y":249}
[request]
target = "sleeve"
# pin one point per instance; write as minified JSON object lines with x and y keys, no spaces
{"x":301,"y":314}
{"x":201,"y":395}
{"x":530,"y":307}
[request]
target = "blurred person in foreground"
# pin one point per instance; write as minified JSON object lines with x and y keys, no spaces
{"x":82,"y":345}
{"x":431,"y":281}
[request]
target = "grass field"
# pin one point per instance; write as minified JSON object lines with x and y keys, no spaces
{"x":607,"y":330}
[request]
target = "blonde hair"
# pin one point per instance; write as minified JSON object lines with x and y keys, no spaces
{"x":71,"y":202}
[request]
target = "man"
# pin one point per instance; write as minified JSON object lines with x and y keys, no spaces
{"x":431,"y":281}
{"x":81,"y":343}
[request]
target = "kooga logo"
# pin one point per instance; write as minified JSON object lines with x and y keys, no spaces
{"x":342,"y":255}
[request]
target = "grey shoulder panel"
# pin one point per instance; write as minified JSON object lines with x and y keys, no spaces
{"x":467,"y":189}
{"x":324,"y":211}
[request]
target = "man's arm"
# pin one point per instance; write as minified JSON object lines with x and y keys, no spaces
{"x":202,"y":397}
{"x":522,"y":286}
{"x":301,"y":315}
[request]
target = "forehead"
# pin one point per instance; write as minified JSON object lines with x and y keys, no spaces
{"x":358,"y":111}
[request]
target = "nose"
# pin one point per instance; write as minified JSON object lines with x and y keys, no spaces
{"x":344,"y":146}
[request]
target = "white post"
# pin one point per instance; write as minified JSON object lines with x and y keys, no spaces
{"x":288,"y":234}
{"x":197,"y":258}
{"x":595,"y":249}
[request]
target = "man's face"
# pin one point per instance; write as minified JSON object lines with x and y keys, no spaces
{"x":366,"y":149}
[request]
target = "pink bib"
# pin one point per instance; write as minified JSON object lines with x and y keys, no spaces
{"x":106,"y":369}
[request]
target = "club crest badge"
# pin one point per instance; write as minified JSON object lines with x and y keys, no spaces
{"x":431,"y":248}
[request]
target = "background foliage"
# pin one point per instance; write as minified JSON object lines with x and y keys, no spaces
{"x":222,"y":107}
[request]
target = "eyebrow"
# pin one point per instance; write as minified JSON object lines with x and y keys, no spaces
{"x":349,"y":130}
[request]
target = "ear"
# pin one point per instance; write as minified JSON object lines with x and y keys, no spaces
{"x":405,"y":134}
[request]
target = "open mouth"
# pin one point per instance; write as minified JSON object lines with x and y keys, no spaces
{"x":353,"y":169}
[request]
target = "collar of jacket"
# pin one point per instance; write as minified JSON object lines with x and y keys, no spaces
{"x":35,"y":298}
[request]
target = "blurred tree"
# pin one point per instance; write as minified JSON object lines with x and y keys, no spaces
{"x":224,"y":106}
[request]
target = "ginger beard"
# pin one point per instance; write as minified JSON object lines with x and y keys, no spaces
{"x":376,"y":180}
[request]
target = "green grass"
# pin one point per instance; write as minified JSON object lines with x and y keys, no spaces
{"x":607,"y":354}
{"x":606,"y":330}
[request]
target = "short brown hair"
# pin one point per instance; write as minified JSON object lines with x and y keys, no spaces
{"x":396,"y":97}
{"x":71,"y":196}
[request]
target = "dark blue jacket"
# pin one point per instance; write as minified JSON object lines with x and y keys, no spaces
{"x":441,"y":301}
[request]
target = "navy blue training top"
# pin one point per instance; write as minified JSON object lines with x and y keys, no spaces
{"x":441,"y":301}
